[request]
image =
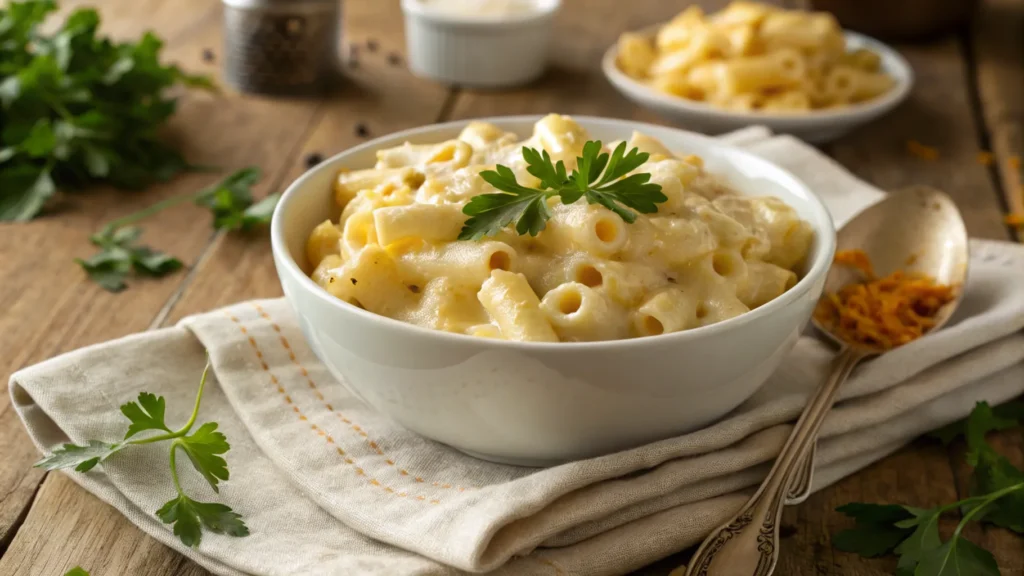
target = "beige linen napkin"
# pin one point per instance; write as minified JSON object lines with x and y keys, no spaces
{"x":328,"y":486}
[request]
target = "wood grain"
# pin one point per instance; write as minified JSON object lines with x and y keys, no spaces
{"x":938,"y":114}
{"x":69,"y":527}
{"x":998,"y":48}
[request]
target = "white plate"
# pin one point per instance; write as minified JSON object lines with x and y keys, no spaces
{"x":816,"y":126}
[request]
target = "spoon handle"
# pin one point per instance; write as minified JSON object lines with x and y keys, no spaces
{"x":748,"y":544}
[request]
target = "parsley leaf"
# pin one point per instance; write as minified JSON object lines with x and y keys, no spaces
{"x":204,"y":448}
{"x":958,"y":557}
{"x":599,"y":177}
{"x":77,"y":108}
{"x":119,"y":255}
{"x":492,"y":212}
{"x":76,"y":571}
{"x":145,"y":414}
{"x":189,"y":517}
{"x":81,"y":458}
{"x":231,"y":202}
{"x":875,"y":533}
{"x":997,"y":497}
{"x":999,"y":418}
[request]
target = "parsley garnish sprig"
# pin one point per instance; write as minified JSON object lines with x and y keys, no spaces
{"x":204,"y":448}
{"x":233,"y":207}
{"x":997,"y":497}
{"x":598,"y":177}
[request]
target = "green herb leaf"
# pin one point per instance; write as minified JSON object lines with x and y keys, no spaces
{"x":81,"y":458}
{"x":525,"y":207}
{"x":145,"y":414}
{"x":958,"y":557}
{"x":189,"y":517}
{"x":1002,"y":417}
{"x":24,"y":189}
{"x":76,"y":571}
{"x":992,"y":473}
{"x":119,"y":256}
{"x":231,"y":202}
{"x":922,"y":540}
{"x":601,"y":178}
{"x":997,"y":489}
{"x":204,"y":448}
{"x":875,"y":533}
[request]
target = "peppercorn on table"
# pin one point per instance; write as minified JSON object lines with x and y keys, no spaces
{"x":960,"y":132}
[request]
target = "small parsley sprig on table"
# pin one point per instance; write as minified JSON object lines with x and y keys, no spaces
{"x":997,"y":497}
{"x":205,"y":449}
{"x":598,"y":177}
{"x":233,"y":207}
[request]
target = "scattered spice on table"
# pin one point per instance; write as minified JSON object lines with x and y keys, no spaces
{"x":882,"y":312}
{"x":921,"y":151}
{"x":395,"y":59}
{"x":985,"y":158}
{"x":208,"y":55}
{"x":372,"y":45}
{"x":362,"y":131}
{"x":313,"y":159}
{"x":1014,"y":162}
{"x":1015,"y":219}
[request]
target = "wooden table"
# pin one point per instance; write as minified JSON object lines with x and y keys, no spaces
{"x":968,"y":99}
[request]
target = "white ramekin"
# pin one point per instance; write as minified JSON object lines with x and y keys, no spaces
{"x":538,"y":403}
{"x":478,"y":50}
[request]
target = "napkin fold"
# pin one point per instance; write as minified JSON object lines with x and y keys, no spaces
{"x":328,"y":486}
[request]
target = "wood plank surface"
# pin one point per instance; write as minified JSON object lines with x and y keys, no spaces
{"x":958,"y":106}
{"x":997,"y":45}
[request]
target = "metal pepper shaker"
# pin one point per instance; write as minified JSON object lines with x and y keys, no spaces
{"x":281,"y":46}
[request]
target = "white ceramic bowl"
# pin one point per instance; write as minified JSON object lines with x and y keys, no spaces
{"x":540,"y":403}
{"x":816,"y":126}
{"x":486,"y":51}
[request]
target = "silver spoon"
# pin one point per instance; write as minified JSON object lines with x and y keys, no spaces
{"x":920,"y":230}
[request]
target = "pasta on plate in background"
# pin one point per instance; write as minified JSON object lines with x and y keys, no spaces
{"x":752,"y":57}
{"x":705,"y":255}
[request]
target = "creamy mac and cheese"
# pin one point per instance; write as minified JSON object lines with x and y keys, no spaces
{"x":707,"y":255}
{"x":750,"y":56}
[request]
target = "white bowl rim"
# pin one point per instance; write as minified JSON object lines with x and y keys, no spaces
{"x":903,"y":74}
{"x":818,"y":268}
{"x":544,"y":9}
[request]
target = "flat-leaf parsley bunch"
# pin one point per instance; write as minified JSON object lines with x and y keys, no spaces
{"x":204,"y":448}
{"x":77,"y":108}
{"x":598,"y":177}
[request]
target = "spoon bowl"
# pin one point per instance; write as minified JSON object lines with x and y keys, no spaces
{"x":917,"y":229}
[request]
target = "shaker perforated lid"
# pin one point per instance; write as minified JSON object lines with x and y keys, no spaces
{"x":281,"y":46}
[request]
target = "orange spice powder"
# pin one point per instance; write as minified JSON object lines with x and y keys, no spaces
{"x":1015,"y":219}
{"x":921,"y":151}
{"x":882,"y":312}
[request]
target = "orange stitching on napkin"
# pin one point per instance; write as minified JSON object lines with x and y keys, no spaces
{"x":273,"y":379}
{"x":312,"y":385}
